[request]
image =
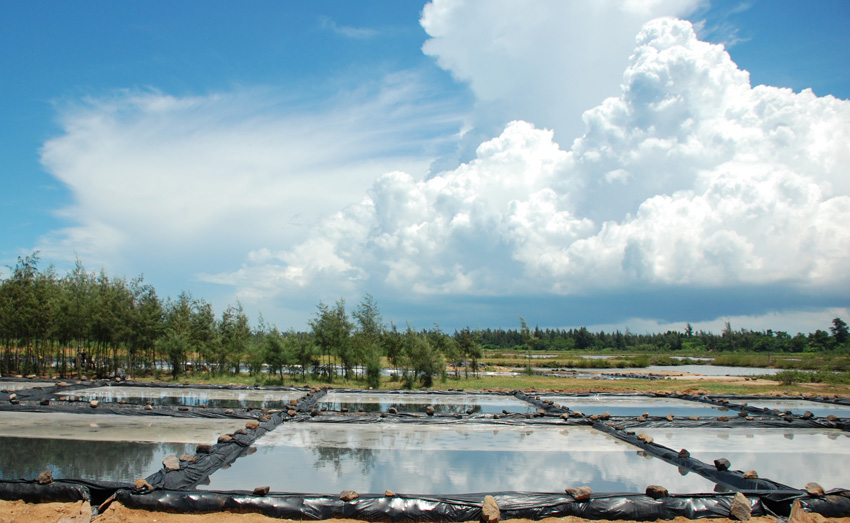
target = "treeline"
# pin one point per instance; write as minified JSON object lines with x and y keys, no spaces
{"x":90,"y":323}
{"x":582,"y":339}
{"x":106,"y":326}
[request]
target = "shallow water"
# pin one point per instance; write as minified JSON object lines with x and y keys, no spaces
{"x":114,"y":427}
{"x":792,"y":457}
{"x":800,"y":406}
{"x":104,"y":447}
{"x":635,"y":406}
{"x":20,"y":385}
{"x":712,"y":370}
{"x":121,"y":461}
{"x":229,"y":399}
{"x":443,"y":403}
{"x":420,"y":459}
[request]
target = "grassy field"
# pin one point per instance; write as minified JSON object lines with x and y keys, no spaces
{"x":721,"y":385}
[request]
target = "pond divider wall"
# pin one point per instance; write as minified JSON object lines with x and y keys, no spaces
{"x":175,"y":490}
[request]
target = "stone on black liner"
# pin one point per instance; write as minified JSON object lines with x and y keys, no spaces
{"x":740,"y":508}
{"x":45,"y":477}
{"x":579,"y":493}
{"x":348,"y":495}
{"x":722,"y":464}
{"x":490,"y":510}
{"x":656,"y":491}
{"x":814,"y":489}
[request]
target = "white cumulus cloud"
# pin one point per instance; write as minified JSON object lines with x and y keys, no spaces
{"x":538,"y":61}
{"x":690,"y":177}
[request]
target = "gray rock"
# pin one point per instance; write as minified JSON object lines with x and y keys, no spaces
{"x":722,"y":464}
{"x":348,"y":495}
{"x":579,"y":493}
{"x":814,"y":489}
{"x":46,"y":477}
{"x":807,"y":415}
{"x":646,"y":438}
{"x":171,"y":463}
{"x":489,"y":510}
{"x":656,"y":491}
{"x":429,"y":410}
{"x":142,"y":484}
{"x":741,"y":508}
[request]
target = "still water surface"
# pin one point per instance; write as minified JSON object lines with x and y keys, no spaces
{"x":190,"y":397}
{"x":407,"y":402}
{"x":792,"y":457}
{"x":635,"y":406}
{"x":421,"y":459}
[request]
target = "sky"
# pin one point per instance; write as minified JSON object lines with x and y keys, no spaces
{"x":616,"y":164}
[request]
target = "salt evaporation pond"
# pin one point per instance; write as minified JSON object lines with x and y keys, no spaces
{"x":798,"y":407}
{"x":222,"y":398}
{"x":21,"y":385}
{"x":446,"y":459}
{"x":103,"y":447}
{"x":789,"y":456}
{"x":635,"y":405}
{"x":710,"y":370}
{"x":458,"y":403}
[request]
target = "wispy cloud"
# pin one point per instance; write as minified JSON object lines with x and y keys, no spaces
{"x":231,"y":171}
{"x":358,"y":33}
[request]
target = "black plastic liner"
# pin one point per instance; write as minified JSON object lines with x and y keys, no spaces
{"x":467,"y":507}
{"x":732,"y":479}
{"x":60,"y":491}
{"x":834,"y":505}
{"x":174,"y":490}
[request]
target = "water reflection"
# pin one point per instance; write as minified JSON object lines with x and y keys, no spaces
{"x":800,"y":406}
{"x":190,"y":397}
{"x":417,"y":403}
{"x":635,"y":406}
{"x":447,"y":460}
{"x":25,"y":458}
{"x":790,"y":456}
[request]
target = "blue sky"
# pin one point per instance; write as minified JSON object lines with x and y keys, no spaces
{"x":572,"y":163}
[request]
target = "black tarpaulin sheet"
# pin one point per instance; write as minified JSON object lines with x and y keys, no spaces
{"x":60,"y":491}
{"x":452,"y":508}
